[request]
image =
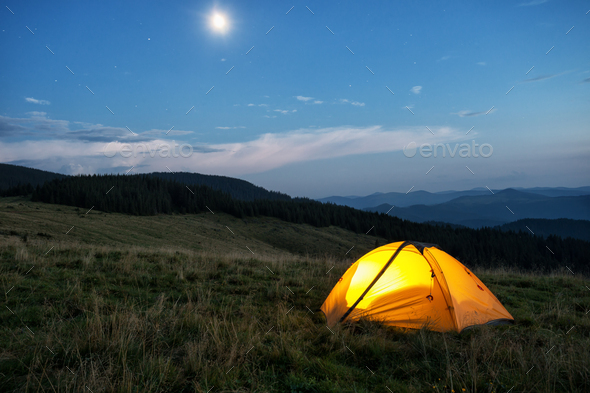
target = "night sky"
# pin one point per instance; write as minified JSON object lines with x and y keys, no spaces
{"x":311,"y":99}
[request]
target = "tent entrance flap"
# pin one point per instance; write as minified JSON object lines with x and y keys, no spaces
{"x":442,"y":283}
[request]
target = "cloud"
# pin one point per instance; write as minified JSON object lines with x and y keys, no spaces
{"x":306,"y":99}
{"x":468,"y":114}
{"x":273,"y":150}
{"x":284,"y":112}
{"x":251,"y":105}
{"x":229,"y":128}
{"x":533,"y":3}
{"x":444,"y":58}
{"x":416,"y":89}
{"x":222,"y":59}
{"x":269,"y":117}
{"x":157,"y":132}
{"x":539,"y":78}
{"x":72,"y":169}
{"x":76,"y":157}
{"x":481,"y":63}
{"x":472,"y":114}
{"x":37,"y":114}
{"x":82,"y":154}
{"x":9,"y":128}
{"x":36,"y":101}
{"x":262,"y":105}
{"x":355,"y":103}
{"x":40,"y":127}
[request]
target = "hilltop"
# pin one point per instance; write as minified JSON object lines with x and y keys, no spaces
{"x":13,"y":175}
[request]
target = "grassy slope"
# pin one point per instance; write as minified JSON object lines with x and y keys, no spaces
{"x":143,"y":308}
{"x":207,"y":231}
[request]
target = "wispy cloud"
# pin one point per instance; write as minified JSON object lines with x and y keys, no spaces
{"x":472,"y":114}
{"x":532,"y":3}
{"x":262,"y":104}
{"x":416,"y":89}
{"x":35,"y":126}
{"x":273,"y":150}
{"x":36,"y":101}
{"x":284,"y":112}
{"x":481,"y":63}
{"x":251,"y":105}
{"x":37,"y":114}
{"x":307,"y":100}
{"x":355,"y":103}
{"x":539,"y":78}
{"x":229,"y":128}
{"x":10,"y":128}
{"x":40,"y":127}
{"x":81,"y":154}
{"x":444,"y":58}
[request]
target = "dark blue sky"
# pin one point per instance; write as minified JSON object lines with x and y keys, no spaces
{"x":300,"y":113}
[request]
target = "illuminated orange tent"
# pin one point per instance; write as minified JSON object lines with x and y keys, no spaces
{"x":413,"y":285}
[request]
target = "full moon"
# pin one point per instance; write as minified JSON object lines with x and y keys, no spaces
{"x":218,"y":21}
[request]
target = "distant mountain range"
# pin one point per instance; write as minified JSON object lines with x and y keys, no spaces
{"x":547,"y":211}
{"x":400,"y":199}
{"x":492,"y":210}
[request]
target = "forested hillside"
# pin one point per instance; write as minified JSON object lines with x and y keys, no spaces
{"x":563,"y":227}
{"x":19,"y":180}
{"x":237,"y":188}
{"x":12,"y":176}
{"x":148,"y":195}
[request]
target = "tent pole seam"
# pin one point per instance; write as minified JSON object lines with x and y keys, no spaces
{"x":377,"y":277}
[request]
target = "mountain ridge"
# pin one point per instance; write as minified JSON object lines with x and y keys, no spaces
{"x":492,"y":210}
{"x":13,"y":176}
{"x":419,"y":197}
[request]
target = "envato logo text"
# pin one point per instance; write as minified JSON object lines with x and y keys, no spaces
{"x":164,"y":150}
{"x":465,"y":150}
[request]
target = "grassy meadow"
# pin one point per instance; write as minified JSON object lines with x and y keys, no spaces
{"x":179,"y":304}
